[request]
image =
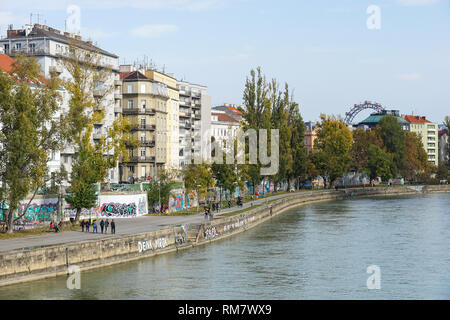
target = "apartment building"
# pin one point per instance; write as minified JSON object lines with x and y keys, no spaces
{"x":194,"y":123}
{"x":224,"y":129}
{"x":428,"y":131}
{"x":145,"y":104}
{"x":172,"y":125}
{"x":48,"y":45}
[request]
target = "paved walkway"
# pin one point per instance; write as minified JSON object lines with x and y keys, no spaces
{"x":123,"y":227}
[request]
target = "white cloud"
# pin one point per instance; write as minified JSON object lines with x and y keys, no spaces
{"x":96,"y":33}
{"x":153,"y":30}
{"x":417,"y":2}
{"x":408,"y":76}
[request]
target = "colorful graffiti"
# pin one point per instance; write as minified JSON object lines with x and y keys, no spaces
{"x":118,"y":209}
{"x":176,"y":203}
{"x":36,"y":212}
{"x":211,"y":233}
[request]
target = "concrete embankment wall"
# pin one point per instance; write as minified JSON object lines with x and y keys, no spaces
{"x":37,"y":263}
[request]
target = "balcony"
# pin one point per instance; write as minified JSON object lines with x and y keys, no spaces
{"x":118,"y":83}
{"x":138,"y":111}
{"x":149,"y":127}
{"x":117,"y":96}
{"x":99,"y":92}
{"x":196,"y":94}
{"x":185,"y":114}
{"x":117,"y":109}
{"x":147,"y":143}
{"x":147,"y":159}
{"x":197,"y":116}
{"x":196,"y":106}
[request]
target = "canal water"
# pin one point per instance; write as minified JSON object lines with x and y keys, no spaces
{"x":317,"y":251}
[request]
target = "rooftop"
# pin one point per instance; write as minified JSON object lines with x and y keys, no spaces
{"x":415,"y":119}
{"x":42,"y":31}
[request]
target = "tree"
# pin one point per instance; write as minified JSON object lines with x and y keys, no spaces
{"x":362,"y":139}
{"x":447,"y":130}
{"x":89,"y":86}
{"x":393,"y":139}
{"x":198,"y":178}
{"x":331,"y":153}
{"x":379,"y":163}
{"x":161,"y":187}
{"x":29,"y":132}
{"x":225,"y":175}
{"x":416,"y":159}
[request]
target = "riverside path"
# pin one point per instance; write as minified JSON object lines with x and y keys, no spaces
{"x":123,"y":227}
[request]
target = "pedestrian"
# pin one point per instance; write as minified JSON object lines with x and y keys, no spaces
{"x":102,"y":225}
{"x":82,"y":225}
{"x":106,"y":226}
{"x":217,"y":207}
{"x":94,"y":226}
{"x":113,"y":227}
{"x":229,"y":204}
{"x":87,"y":223}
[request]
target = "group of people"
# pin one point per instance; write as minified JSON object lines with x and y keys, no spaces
{"x":104,"y":224}
{"x":54,"y":226}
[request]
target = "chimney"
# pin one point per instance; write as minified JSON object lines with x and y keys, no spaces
{"x":12,"y":33}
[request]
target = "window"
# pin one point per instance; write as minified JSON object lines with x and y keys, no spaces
{"x":6,"y":47}
{"x":130,"y":104}
{"x":143,"y":122}
{"x":143,"y":172}
{"x":130,"y":88}
{"x":32,"y":47}
{"x":143,"y":88}
{"x":143,"y":103}
{"x":143,"y":152}
{"x":18,"y":45}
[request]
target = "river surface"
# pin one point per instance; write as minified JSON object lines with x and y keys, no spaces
{"x":317,"y":251}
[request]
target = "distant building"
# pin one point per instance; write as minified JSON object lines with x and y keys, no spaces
{"x":428,"y":131}
{"x":231,"y":110}
{"x":224,"y":129}
{"x":443,"y":146}
{"x":310,"y":136}
{"x":48,"y":46}
{"x":373,"y":120}
{"x":194,"y":122}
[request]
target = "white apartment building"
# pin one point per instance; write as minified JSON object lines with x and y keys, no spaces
{"x":47,"y":45}
{"x":224,"y":129}
{"x":194,"y":122}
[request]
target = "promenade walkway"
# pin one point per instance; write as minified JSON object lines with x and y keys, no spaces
{"x":123,"y":227}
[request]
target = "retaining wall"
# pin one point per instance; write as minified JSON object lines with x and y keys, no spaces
{"x":38,"y":263}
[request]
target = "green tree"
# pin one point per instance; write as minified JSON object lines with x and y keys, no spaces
{"x":29,"y":132}
{"x":160,"y":189}
{"x":393,"y":139}
{"x":362,"y":139}
{"x":198,"y":178}
{"x":331,"y":153}
{"x":380,"y":163}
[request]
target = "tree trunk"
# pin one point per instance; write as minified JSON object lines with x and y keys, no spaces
{"x":10,"y":221}
{"x":77,"y":216}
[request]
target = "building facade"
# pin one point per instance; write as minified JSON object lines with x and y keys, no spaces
{"x":145,"y":105}
{"x":48,"y":46}
{"x":172,"y":125}
{"x":443,"y":146}
{"x":224,"y":129}
{"x":428,"y":132}
{"x":194,"y":123}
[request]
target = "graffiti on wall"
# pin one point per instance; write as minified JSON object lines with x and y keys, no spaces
{"x":41,"y":212}
{"x":118,"y":209}
{"x":211,"y":233}
{"x":160,"y":243}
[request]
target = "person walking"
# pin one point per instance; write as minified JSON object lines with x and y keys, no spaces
{"x":113,"y":227}
{"x":94,"y":226}
{"x":87,"y":224}
{"x":106,"y":226}
{"x":217,"y":207}
{"x":102,"y":225}
{"x":82,"y":225}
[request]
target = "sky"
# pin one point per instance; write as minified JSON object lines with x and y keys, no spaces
{"x":332,"y":53}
